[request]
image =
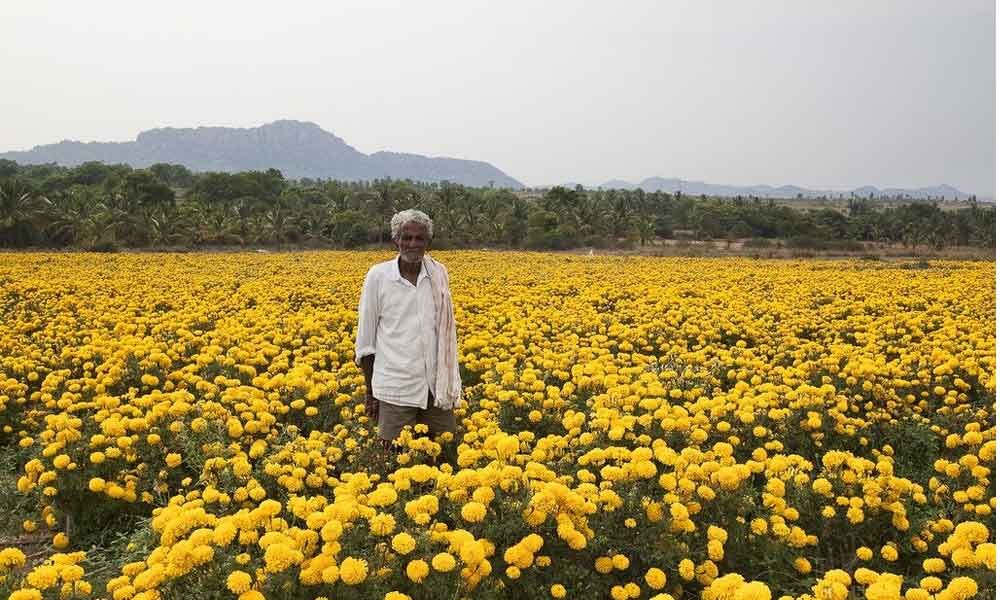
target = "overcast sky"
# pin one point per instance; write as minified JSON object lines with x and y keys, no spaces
{"x":819,"y":94}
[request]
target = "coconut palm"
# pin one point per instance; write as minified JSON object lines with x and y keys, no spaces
{"x":68,"y":213}
{"x":172,"y":224}
{"x":21,"y":212}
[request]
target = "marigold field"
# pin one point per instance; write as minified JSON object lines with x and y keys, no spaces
{"x":192,"y":426}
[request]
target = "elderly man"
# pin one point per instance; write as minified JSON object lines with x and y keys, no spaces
{"x":407,"y":344}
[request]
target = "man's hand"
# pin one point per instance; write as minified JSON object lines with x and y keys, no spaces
{"x":371,"y":407}
{"x":371,"y":403}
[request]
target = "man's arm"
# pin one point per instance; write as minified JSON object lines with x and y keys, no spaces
{"x":368,"y":311}
{"x":371,"y":403}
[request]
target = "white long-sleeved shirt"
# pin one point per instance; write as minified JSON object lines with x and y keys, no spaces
{"x":398,"y":324}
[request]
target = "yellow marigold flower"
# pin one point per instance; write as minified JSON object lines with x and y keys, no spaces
{"x":655,"y":578}
{"x":917,"y":594}
{"x":934,"y":565}
{"x":382,"y":524}
{"x":443,"y":562}
{"x":417,"y":570}
{"x":173,"y":459}
{"x":330,"y":574}
{"x":716,"y":551}
{"x":620,"y":561}
{"x":331,"y":531}
{"x":60,"y":540}
{"x":889,"y":553}
{"x":865,"y":576}
{"x":644,"y":469}
{"x":705,"y":492}
{"x":353,"y":570}
{"x":986,"y":555}
{"x":729,"y":478}
{"x":472,"y":553}
{"x":483,"y":494}
{"x":962,"y":588}
{"x":518,"y":555}
{"x":802,"y":565}
{"x":80,"y":588}
{"x":248,"y":595}
{"x":71,"y":573}
{"x":396,"y":596}
{"x":754,"y":590}
{"x":43,"y":577}
{"x":11,"y":558}
{"x":513,"y":572}
{"x":239,"y":582}
{"x":758,"y":526}
{"x":473,"y":512}
{"x":686,"y":569}
{"x":279,"y":557}
{"x":717,"y":533}
{"x":604,"y":564}
{"x":679,"y":512}
{"x":822,"y":486}
{"x":864,"y":553}
{"x":557,"y":591}
{"x":403,"y":543}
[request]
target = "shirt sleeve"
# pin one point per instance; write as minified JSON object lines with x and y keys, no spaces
{"x":368,"y":311}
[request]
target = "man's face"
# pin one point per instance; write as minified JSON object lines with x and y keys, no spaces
{"x":413,"y":241}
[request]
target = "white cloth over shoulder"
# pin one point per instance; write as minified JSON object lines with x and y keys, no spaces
{"x":448,"y":389}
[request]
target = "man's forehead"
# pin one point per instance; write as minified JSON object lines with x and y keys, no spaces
{"x":414,"y":228}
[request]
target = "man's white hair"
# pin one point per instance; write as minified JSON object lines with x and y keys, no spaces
{"x":411,"y":215}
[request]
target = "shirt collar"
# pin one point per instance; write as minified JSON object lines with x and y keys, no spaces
{"x":399,"y":276}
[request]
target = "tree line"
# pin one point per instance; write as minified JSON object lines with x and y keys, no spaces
{"x":103,"y":207}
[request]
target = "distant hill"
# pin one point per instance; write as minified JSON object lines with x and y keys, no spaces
{"x":298,"y":149}
{"x":696,"y":188}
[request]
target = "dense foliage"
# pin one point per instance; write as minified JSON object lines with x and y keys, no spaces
{"x":107,"y":206}
{"x":192,"y":426}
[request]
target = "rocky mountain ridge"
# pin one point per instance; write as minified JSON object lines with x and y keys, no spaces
{"x":298,"y":149}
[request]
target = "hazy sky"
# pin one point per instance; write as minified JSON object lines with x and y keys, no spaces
{"x":819,"y":94}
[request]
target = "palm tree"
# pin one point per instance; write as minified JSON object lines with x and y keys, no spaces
{"x":494,"y":204}
{"x":620,"y":209}
{"x":101,"y":224}
{"x":445,"y":207}
{"x":245,"y":210}
{"x":589,"y":213}
{"x":516,"y":221}
{"x":20,"y":211}
{"x":313,"y":221}
{"x":69,"y":212}
{"x":275,"y":224}
{"x":172,"y":224}
{"x":383,"y":197}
